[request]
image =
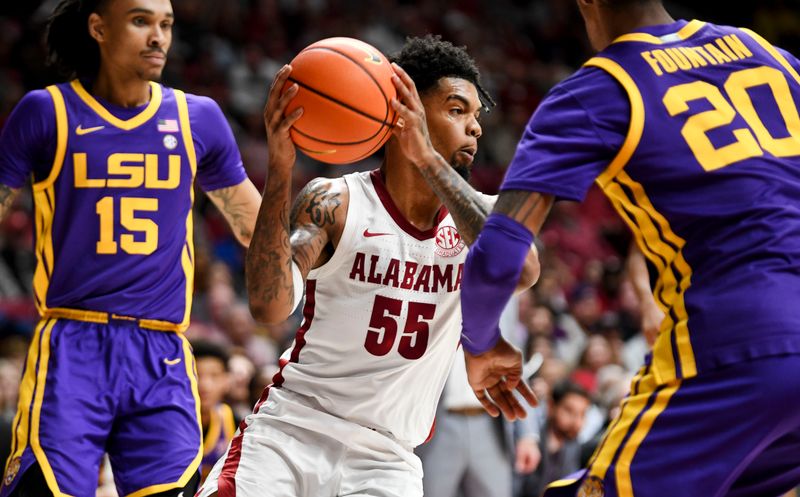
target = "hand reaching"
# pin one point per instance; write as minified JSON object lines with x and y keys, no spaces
{"x":282,"y":151}
{"x":494,"y":375}
{"x":411,"y":129}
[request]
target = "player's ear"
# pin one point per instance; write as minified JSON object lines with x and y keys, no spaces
{"x":96,"y":27}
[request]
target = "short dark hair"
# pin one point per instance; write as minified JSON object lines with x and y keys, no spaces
{"x":427,"y":59}
{"x":70,"y":48}
{"x":204,"y":348}
{"x":566,"y":387}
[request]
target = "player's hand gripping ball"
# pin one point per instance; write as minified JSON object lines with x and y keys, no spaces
{"x":345,"y":89}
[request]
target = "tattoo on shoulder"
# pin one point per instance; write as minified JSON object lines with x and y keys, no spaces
{"x":320,"y":201}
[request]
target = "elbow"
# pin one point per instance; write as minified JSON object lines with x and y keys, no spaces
{"x":267,"y":314}
{"x":530,"y":272}
{"x":245,"y":237}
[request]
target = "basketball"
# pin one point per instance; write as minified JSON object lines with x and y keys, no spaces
{"x":345,"y":89}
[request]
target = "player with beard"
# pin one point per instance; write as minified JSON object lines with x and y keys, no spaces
{"x":380,"y":255}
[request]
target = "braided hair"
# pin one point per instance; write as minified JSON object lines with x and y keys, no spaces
{"x":70,"y":47}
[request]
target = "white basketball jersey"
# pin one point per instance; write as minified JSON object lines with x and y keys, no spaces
{"x":382,"y":318}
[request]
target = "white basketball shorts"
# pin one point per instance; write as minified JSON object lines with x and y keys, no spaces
{"x":290,"y":449}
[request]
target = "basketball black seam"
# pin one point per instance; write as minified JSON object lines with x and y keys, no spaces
{"x":358,"y":64}
{"x":346,"y":106}
{"x":328,"y":142}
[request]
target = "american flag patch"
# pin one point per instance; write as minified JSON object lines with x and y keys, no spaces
{"x":168,"y":125}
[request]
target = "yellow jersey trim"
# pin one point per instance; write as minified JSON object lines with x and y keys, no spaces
{"x":652,"y":232}
{"x":684,"y":33}
{"x":228,"y":421}
{"x":191,"y":372}
{"x":562,"y":483}
{"x":214,"y":429}
{"x":640,"y":37}
{"x":632,"y":406}
{"x":187,"y":257}
{"x":129,"y":124}
{"x":622,"y":470}
{"x":671,"y":282}
{"x":21,"y":426}
{"x":62,"y":136}
{"x":775,"y":54}
{"x":104,"y":318}
{"x":636,"y":126}
{"x":221,"y":422}
{"x":41,"y":457}
{"x":44,"y":213}
{"x":690,"y":29}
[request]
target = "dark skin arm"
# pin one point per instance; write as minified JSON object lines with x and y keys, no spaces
{"x":494,"y":374}
{"x":282,"y":234}
{"x":468,"y":207}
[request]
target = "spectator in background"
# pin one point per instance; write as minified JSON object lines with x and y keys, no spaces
{"x":217,"y":419}
{"x":561,"y":452}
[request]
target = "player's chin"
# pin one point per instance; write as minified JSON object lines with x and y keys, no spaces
{"x":463,"y":167}
{"x":151,"y":72}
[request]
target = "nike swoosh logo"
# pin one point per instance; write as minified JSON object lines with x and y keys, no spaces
{"x":172,"y":362}
{"x":85,"y":131}
{"x":368,"y":234}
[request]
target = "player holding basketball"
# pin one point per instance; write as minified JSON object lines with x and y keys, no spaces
{"x":692,"y":130}
{"x":113,"y":157}
{"x":381,"y":258}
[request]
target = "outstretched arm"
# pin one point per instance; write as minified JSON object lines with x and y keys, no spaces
{"x":493,"y":265}
{"x":239,"y":204}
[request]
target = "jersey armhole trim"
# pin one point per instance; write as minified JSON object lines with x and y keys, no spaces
{"x":187,"y":255}
{"x":636,"y":126}
{"x":774,"y":53}
{"x":62,"y":125}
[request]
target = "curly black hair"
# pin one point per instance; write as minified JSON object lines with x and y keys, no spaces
{"x":429,"y":58}
{"x":70,"y":48}
{"x":204,"y":348}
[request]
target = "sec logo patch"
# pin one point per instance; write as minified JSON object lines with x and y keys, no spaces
{"x":448,"y":242}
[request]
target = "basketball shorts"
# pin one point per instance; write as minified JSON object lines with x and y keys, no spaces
{"x":91,"y":388}
{"x":732,"y":432}
{"x":290,"y":449}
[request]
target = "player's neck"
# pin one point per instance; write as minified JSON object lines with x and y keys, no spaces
{"x":411,"y":193}
{"x":635,"y":19}
{"x":121,"y":90}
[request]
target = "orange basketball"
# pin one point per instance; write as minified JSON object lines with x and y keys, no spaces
{"x":345,"y":88}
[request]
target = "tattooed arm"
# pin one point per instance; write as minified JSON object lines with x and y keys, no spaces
{"x":468,"y":207}
{"x":281,"y":237}
{"x":239,"y":205}
{"x":7,"y":195}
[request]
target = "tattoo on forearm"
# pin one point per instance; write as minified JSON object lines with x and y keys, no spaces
{"x":236,"y":212}
{"x":467,"y":206}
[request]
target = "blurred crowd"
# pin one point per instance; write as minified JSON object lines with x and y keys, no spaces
{"x":583,"y":315}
